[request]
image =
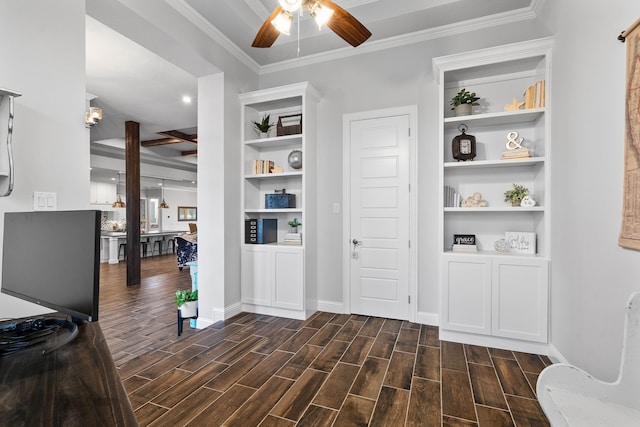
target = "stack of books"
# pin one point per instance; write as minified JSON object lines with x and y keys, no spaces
{"x":516,"y":153}
{"x":261,"y":167}
{"x":293,"y":239}
{"x":464,"y":248}
{"x":534,"y":96}
{"x":451,"y":197}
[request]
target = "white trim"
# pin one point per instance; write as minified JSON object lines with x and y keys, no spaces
{"x":494,"y":342}
{"x":431,"y":319}
{"x":332,"y":307}
{"x":276,"y":311}
{"x":214,"y":33}
{"x":219,"y":314}
{"x":555,"y":355}
{"x":412,"y":112}
{"x":503,"y":18}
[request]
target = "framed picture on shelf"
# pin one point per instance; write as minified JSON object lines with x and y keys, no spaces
{"x":520,"y":242}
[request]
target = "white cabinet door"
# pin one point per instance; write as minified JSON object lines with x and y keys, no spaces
{"x":257,"y":276}
{"x":102,"y":193}
{"x":520,"y":298}
{"x":288,"y":289}
{"x":466,"y":299}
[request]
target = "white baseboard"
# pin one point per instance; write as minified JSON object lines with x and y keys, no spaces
{"x":332,"y":307}
{"x":555,"y":355}
{"x":432,"y":319}
{"x":218,"y":315}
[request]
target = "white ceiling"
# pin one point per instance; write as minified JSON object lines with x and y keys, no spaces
{"x":132,"y":83}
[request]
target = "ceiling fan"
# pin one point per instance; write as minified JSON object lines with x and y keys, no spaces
{"x":322,"y":11}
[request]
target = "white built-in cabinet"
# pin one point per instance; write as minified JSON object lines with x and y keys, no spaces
{"x":277,"y":278}
{"x":102,"y":193}
{"x":490,"y":297}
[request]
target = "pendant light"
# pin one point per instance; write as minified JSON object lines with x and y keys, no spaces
{"x":163,"y":204}
{"x":118,"y":203}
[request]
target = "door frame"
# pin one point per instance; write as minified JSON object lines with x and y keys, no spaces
{"x":412,"y":112}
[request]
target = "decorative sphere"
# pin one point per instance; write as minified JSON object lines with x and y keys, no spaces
{"x":295,"y":159}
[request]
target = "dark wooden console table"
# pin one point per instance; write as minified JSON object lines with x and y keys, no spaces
{"x":76,"y":385}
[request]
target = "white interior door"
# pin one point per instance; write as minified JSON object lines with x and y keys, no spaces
{"x":379,"y":224}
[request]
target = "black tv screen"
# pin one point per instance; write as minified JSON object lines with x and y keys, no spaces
{"x":52,"y":258}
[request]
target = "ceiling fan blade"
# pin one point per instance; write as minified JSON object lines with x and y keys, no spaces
{"x":267,"y":34}
{"x":346,"y":26}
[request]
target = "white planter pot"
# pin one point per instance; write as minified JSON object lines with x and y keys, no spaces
{"x":462,"y":110}
{"x":189,"y":309}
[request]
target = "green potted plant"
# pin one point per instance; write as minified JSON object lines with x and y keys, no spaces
{"x":515,"y":194}
{"x":187,"y":301}
{"x":263,"y":126}
{"x":294,"y":224}
{"x":462,"y":102}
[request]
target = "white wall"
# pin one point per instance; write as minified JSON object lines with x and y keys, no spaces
{"x":43,"y":56}
{"x":592,"y":277}
{"x":175,"y":198}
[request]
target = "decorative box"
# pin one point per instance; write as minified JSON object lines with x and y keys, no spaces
{"x":260,"y":231}
{"x":279,"y":201}
{"x":289,"y":125}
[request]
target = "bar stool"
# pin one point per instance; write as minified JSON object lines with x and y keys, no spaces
{"x":144,"y":245}
{"x":159,"y":244}
{"x":123,"y":249}
{"x":171,"y":242}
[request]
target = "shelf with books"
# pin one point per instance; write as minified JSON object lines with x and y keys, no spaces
{"x":276,"y":141}
{"x":273,"y":175}
{"x":510,"y":146}
{"x":277,"y":278}
{"x":498,"y":118}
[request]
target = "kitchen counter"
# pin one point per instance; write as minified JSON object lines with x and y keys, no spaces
{"x":111,"y":240}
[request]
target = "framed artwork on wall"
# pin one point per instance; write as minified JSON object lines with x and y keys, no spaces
{"x":187,"y":213}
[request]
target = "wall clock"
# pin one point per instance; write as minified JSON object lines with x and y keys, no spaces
{"x":463,"y":146}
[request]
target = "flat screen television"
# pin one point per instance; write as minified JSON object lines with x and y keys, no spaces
{"x":52,"y":258}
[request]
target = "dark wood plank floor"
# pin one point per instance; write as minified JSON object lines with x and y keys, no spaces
{"x":331,"y":370}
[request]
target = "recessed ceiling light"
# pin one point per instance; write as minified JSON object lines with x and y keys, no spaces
{"x":113,"y":179}
{"x":186,"y":99}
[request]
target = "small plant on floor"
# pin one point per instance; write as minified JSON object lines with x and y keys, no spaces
{"x":185,"y":295}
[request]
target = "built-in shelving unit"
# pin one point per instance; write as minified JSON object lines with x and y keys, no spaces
{"x":490,"y":297}
{"x":279,"y":278}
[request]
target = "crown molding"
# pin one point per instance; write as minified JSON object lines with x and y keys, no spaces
{"x":471,"y":25}
{"x":216,"y":35}
{"x":523,"y":14}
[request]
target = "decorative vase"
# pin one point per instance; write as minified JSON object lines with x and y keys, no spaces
{"x":462,"y":110}
{"x":295,"y":159}
{"x":516,"y":203}
{"x":264,"y":134}
{"x":189,"y":309}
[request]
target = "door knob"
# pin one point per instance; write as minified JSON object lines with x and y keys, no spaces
{"x":356,"y":242}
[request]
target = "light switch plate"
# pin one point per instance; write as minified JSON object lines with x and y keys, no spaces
{"x":45,"y":201}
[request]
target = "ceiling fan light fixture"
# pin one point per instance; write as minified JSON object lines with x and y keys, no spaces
{"x":290,"y":5}
{"x":93,"y":116}
{"x":321,"y":14}
{"x":282,"y":22}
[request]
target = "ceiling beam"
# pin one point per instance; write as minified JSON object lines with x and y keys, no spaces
{"x":162,"y":141}
{"x":193,"y":139}
{"x":190,"y":153}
